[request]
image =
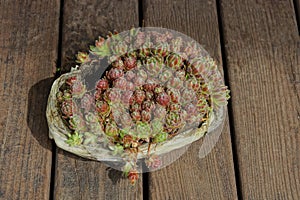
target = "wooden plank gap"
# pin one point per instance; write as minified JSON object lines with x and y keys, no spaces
{"x":146,"y":174}
{"x":60,"y":36}
{"x":57,"y":74}
{"x":235,"y":158}
{"x":145,"y":186}
{"x":53,"y":165}
{"x":297,"y":13}
{"x":141,"y":13}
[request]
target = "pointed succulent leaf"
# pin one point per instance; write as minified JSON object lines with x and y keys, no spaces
{"x":74,"y":139}
{"x":161,"y":137}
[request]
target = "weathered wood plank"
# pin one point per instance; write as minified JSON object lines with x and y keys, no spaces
{"x":263,"y":57}
{"x":28,"y":51}
{"x":191,"y":177}
{"x":77,"y":178}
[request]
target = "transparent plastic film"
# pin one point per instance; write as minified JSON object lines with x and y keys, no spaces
{"x":138,"y":99}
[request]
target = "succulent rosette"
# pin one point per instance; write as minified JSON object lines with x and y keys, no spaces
{"x":136,"y":96}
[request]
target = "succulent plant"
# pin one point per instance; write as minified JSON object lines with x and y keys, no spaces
{"x":74,"y":139}
{"x":111,"y":129}
{"x":115,"y":73}
{"x":139,"y":96}
{"x":102,"y":85}
{"x":174,"y":61}
{"x":154,"y":84}
{"x":82,"y":57}
{"x":130,"y":63}
{"x":78,"y":89}
{"x":87,"y":102}
{"x":153,"y":162}
{"x":67,"y":108}
{"x":133,"y":176}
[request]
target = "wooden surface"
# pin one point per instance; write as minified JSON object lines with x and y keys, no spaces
{"x":262,"y":53}
{"x":191,"y":177}
{"x":27,"y":56}
{"x":257,"y":155}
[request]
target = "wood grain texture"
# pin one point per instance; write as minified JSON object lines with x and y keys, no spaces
{"x":191,"y":177}
{"x":84,"y":21}
{"x":263,"y":57}
{"x":78,"y":178}
{"x":28,"y":51}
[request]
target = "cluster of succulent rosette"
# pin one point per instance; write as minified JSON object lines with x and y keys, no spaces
{"x":155,"y":86}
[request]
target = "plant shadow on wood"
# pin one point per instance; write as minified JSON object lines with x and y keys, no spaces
{"x":114,"y":175}
{"x":36,"y":113}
